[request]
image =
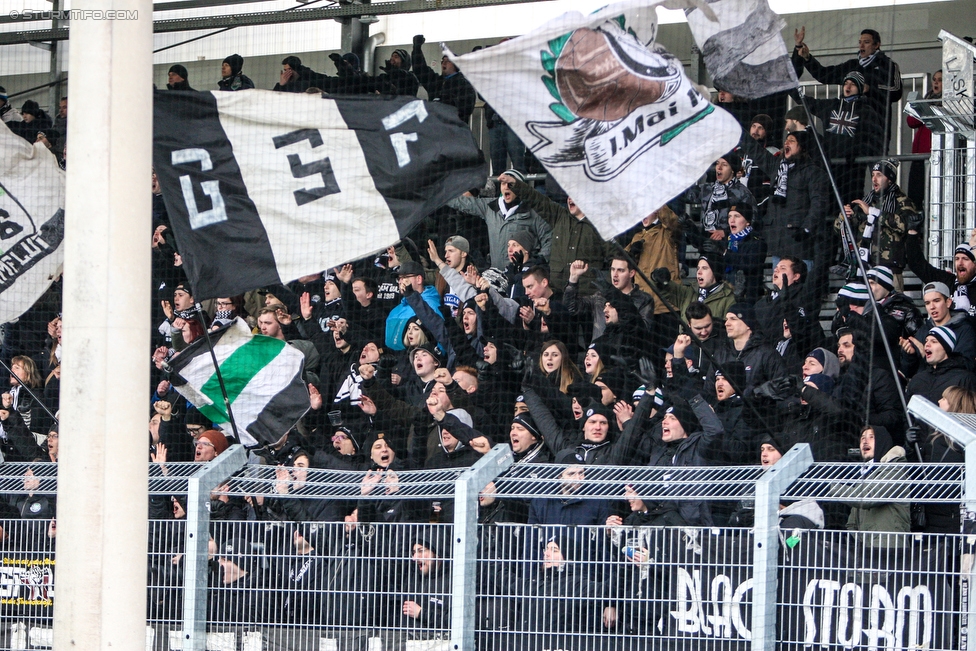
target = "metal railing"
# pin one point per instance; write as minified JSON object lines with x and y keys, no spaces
{"x":488,"y":584}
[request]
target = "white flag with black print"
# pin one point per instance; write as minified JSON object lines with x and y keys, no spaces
{"x":608,"y":111}
{"x":31,"y":223}
{"x":743,"y":48}
{"x":264,"y":187}
{"x":262,"y":376}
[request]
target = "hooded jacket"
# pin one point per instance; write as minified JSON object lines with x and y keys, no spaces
{"x":501,"y":228}
{"x":871,"y":508}
{"x":932,"y":381}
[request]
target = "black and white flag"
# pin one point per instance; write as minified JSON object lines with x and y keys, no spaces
{"x":31,"y":223}
{"x":743,"y":47}
{"x":264,"y":187}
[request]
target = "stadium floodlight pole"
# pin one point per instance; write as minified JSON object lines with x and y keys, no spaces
{"x":220,"y":377}
{"x":857,"y":258}
{"x":691,"y":333}
{"x":29,"y":392}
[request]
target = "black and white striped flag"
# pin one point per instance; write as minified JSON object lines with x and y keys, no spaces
{"x":264,"y":187}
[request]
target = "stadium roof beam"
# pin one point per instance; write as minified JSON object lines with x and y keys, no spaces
{"x":274,"y":17}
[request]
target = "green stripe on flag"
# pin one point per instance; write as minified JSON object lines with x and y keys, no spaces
{"x":241,"y":367}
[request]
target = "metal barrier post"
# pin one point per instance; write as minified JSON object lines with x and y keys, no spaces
{"x":213,"y":474}
{"x":765,"y":557}
{"x":964,"y":435}
{"x":464,"y":576}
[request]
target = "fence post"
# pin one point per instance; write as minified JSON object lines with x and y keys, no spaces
{"x":765,"y":553}
{"x":964,"y":435}
{"x":464,"y":576}
{"x":213,"y":474}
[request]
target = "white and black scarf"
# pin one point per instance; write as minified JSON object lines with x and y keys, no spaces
{"x":782,"y":176}
{"x":864,"y":62}
{"x":889,"y":199}
{"x":505,"y":210}
{"x":718,"y":201}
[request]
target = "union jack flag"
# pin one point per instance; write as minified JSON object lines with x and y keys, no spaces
{"x":843,"y":122}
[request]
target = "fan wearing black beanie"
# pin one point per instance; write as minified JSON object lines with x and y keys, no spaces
{"x":597,"y":441}
{"x":711,"y":289}
{"x":715,"y":199}
{"x":178,"y":78}
{"x":231,"y":76}
{"x":691,"y":435}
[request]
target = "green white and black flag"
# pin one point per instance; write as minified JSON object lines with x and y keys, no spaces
{"x":264,"y":187}
{"x":31,"y":223}
{"x":262,"y":375}
{"x":605,"y":108}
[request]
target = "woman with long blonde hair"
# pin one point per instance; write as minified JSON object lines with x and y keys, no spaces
{"x":939,"y":448}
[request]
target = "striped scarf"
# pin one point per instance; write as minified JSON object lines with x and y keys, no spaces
{"x":889,"y":199}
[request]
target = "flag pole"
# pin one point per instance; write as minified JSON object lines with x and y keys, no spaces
{"x":26,"y":388}
{"x":220,"y":378}
{"x":849,"y":230}
{"x":691,"y":333}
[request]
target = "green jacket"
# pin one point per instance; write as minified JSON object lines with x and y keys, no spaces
{"x":871,"y":510}
{"x":572,"y":239}
{"x":719,"y":301}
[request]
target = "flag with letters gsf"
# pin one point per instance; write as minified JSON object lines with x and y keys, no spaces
{"x":264,"y":187}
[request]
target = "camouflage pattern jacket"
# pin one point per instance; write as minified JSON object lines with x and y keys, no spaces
{"x":890,"y":229}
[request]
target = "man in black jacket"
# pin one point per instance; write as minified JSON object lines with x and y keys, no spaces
{"x":882,"y":75}
{"x":746,"y":344}
{"x":866,"y":386}
{"x":800,"y":200}
{"x":943,"y":369}
{"x":449,"y":87}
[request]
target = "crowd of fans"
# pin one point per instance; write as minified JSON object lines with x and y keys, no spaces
{"x":506,"y":317}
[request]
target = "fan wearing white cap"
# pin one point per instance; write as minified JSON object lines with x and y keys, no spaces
{"x":961,"y":281}
{"x":944,"y":367}
{"x":882,"y":220}
{"x":942,"y":313}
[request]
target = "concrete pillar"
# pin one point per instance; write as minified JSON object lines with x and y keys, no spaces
{"x":102,"y":471}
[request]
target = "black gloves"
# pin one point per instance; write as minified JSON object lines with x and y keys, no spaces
{"x":800,"y":234}
{"x":636,"y":249}
{"x":779,"y":388}
{"x":418,"y":41}
{"x":661,"y":277}
{"x":915,"y":222}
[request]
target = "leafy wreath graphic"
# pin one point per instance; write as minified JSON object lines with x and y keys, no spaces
{"x":549,"y":59}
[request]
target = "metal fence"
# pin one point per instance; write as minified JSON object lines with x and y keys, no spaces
{"x":276,"y":585}
{"x":376,"y":581}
